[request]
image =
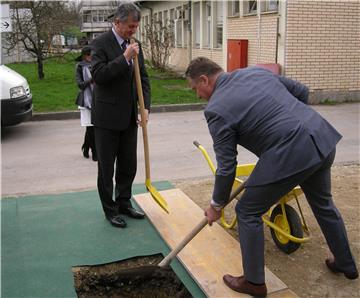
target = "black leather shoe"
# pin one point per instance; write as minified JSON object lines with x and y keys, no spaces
{"x":94,"y":156}
{"x":132,"y":212}
{"x":116,"y":221}
{"x":330,"y":263}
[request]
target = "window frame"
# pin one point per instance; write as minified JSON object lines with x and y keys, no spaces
{"x":232,"y":12}
{"x":177,"y":27}
{"x":87,"y":16}
{"x":218,"y":26}
{"x":196,"y":26}
{"x":250,"y":7}
{"x":208,"y":23}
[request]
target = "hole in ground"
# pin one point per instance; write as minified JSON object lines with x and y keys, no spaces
{"x":130,"y":278}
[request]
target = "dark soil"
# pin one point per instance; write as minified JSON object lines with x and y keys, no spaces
{"x":136,"y":277}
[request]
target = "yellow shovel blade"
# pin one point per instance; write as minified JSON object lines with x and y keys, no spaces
{"x":156,"y":196}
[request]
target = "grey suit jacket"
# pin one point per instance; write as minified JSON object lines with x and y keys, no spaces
{"x":267,"y":114}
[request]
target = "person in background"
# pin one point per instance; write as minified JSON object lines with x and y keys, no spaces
{"x":115,"y":112}
{"x":84,"y":100}
{"x":268,"y":115}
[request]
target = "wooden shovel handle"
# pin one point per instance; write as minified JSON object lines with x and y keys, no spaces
{"x":142,"y":113}
{"x":166,"y":261}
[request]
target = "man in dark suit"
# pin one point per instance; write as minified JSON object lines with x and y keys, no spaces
{"x":115,"y":112}
{"x":267,"y":114}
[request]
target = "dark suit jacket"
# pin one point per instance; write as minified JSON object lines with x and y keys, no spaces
{"x":267,"y":114}
{"x":115,"y":95}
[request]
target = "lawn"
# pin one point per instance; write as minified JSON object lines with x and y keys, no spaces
{"x":58,"y":90}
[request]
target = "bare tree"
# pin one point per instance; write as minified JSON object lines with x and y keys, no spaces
{"x":159,"y":39}
{"x":35,"y":23}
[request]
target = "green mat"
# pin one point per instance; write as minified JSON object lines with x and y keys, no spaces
{"x":42,"y":237}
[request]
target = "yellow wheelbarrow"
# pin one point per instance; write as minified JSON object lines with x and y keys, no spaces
{"x":286,"y":227}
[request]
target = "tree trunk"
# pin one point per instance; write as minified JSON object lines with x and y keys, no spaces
{"x":40,"y":64}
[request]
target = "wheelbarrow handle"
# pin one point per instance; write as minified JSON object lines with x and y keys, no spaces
{"x":166,"y":261}
{"x":196,"y":143}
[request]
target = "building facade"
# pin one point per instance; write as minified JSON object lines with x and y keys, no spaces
{"x":315,"y":42}
{"x":94,"y":15}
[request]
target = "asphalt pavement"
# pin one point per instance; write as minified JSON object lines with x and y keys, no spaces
{"x":42,"y":157}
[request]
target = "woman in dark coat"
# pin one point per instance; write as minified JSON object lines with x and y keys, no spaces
{"x":84,"y":100}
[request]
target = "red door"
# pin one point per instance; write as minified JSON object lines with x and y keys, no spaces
{"x":237,"y":54}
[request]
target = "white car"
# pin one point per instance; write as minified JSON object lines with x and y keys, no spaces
{"x":15,"y":96}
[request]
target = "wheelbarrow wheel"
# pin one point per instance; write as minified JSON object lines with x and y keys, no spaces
{"x":293,"y":228}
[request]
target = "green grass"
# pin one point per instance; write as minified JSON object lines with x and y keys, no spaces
{"x":168,"y":88}
{"x":329,"y":102}
{"x":57,"y":91}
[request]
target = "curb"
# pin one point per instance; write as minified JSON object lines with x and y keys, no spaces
{"x":66,"y":115}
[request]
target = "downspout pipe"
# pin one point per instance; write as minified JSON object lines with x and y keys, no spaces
{"x":190,"y":32}
{"x":258,"y":10}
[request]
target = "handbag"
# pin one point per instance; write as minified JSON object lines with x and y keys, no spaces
{"x":79,"y":101}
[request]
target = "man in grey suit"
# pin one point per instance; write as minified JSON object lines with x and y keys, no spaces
{"x":115,"y":112}
{"x":267,"y":114}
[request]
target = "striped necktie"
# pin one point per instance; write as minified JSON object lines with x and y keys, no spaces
{"x":124,"y":45}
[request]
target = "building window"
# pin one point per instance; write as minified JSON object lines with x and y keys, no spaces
{"x":219,"y":24}
{"x":197,"y":24}
{"x":145,"y":28}
{"x":94,"y":16}
{"x":87,"y":16}
{"x":172,"y":20}
{"x":272,"y":5}
{"x":108,"y":15}
{"x":207,"y":19}
{"x":234,"y":8}
{"x":166,"y":18}
{"x":160,"y":24}
{"x":101,"y":16}
{"x":178,"y":26}
{"x":172,"y":14}
{"x":250,"y":7}
{"x":181,"y":23}
{"x":142,"y":27}
{"x":185,"y":23}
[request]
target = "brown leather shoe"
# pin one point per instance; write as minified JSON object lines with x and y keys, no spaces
{"x":241,"y":285}
{"x":330,"y":263}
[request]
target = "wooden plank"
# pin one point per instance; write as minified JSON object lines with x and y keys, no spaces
{"x":211,"y":254}
{"x":283,"y":294}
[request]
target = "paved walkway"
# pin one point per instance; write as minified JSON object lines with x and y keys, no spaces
{"x":45,"y":156}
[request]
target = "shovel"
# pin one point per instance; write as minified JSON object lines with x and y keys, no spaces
{"x":142,"y":276}
{"x":166,"y":261}
{"x":154,"y":193}
{"x":148,"y":270}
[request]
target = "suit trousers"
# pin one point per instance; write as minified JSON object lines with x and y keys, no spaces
{"x":256,"y":200}
{"x":116,"y":147}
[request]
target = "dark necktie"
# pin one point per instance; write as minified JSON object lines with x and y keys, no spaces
{"x":124,"y":45}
